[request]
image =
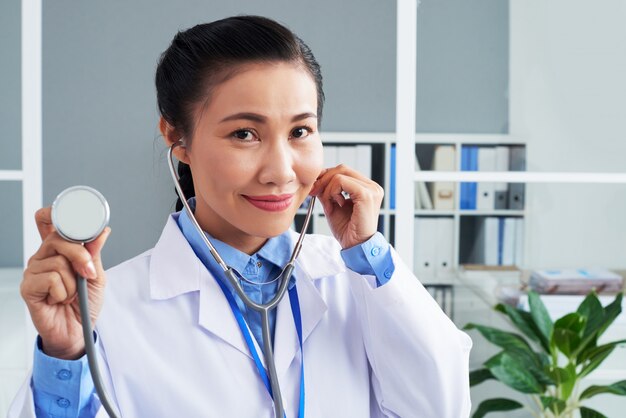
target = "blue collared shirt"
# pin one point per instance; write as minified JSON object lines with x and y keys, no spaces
{"x":63,"y":388}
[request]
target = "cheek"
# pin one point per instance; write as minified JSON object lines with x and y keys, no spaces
{"x":311,"y":164}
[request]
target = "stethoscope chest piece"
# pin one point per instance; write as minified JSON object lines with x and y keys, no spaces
{"x":80,"y":214}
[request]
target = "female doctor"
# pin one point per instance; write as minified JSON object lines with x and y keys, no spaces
{"x":244,"y":97}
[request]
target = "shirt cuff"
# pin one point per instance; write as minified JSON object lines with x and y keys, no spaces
{"x":372,"y":257}
{"x":60,"y":387}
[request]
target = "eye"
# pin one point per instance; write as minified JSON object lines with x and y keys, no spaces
{"x":301,"y":132}
{"x":244,"y":135}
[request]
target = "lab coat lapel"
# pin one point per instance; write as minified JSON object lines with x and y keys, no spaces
{"x":175,"y":270}
{"x":312,"y":308}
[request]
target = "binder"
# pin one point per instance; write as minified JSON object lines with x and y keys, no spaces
{"x":509,"y":240}
{"x":519,"y":242}
{"x":330,"y":156}
{"x":424,"y":250}
{"x":485,"y":191}
{"x":465,"y":187}
{"x":364,"y":160}
{"x":321,"y":226}
{"x":473,"y":166}
{"x":501,"y":190}
{"x":486,"y":246}
{"x":347,"y":155}
{"x":392,"y":177}
{"x":517,"y":162}
{"x":422,"y":197}
{"x":444,"y":247}
{"x":442,"y":192}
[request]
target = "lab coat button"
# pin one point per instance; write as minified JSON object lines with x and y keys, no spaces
{"x":63,"y":403}
{"x":375,"y":251}
{"x":64,"y":374}
{"x":387,"y":274}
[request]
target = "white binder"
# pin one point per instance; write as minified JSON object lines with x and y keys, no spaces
{"x":509,"y":241}
{"x":444,"y":248}
{"x":424,"y":250}
{"x":485,"y":192}
{"x":364,"y":160}
{"x":442,"y":192}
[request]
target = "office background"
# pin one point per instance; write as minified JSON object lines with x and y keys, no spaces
{"x":561,"y":61}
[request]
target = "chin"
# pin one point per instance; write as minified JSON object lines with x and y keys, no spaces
{"x":269,"y":230}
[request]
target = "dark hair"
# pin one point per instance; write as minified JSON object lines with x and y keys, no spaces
{"x":207,"y":54}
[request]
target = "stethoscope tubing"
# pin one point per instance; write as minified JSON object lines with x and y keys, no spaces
{"x":90,"y":349}
{"x":263,"y":308}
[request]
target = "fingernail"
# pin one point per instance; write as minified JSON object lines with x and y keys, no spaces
{"x":90,"y":268}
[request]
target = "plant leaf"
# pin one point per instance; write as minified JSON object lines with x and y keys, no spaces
{"x":540,"y":315}
{"x":496,"y":404}
{"x":617,"y":388}
{"x":565,"y":340}
{"x":592,"y":309}
{"x":567,"y":386}
{"x":563,"y":377}
{"x":595,"y":356}
{"x":509,"y":370}
{"x":590,"y":413}
{"x":503,"y":339}
{"x":611,"y":312}
{"x":555,"y":405}
{"x":524,"y":322}
{"x":479,"y":376}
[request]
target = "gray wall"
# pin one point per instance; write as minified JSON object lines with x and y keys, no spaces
{"x":99,"y":108}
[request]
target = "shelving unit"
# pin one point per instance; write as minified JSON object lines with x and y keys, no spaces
{"x":388,"y":214}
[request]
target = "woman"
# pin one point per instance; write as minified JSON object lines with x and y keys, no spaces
{"x":243,"y":98}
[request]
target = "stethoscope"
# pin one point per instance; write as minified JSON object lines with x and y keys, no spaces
{"x":81,"y":213}
{"x":231,"y":274}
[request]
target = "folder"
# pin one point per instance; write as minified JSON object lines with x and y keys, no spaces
{"x":364,"y":160}
{"x":501,"y":189}
{"x":442,"y":192}
{"x":444,"y":247}
{"x":509,"y":231}
{"x":485,"y":191}
{"x":517,"y":162}
{"x":422,"y":197}
{"x":424,"y":250}
{"x":473,"y":166}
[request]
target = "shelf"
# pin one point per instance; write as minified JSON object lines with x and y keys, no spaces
{"x":503,"y":212}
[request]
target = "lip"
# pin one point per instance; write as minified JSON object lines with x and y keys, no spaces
{"x":271,"y":203}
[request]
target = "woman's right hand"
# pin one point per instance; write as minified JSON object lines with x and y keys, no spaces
{"x":49,"y":287}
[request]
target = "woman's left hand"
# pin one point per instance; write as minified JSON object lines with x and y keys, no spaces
{"x":354,"y":220}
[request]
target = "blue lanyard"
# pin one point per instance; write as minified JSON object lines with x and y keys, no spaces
{"x":297,"y":319}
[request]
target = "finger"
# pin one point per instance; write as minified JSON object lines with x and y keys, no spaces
{"x":60,"y":265}
{"x":95,"y":248}
{"x":43,"y":286}
{"x":357,"y":189}
{"x":327,"y":174}
{"x":43,"y":218}
{"x":78,"y":255}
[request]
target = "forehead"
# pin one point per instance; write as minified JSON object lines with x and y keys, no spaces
{"x":266,"y":88}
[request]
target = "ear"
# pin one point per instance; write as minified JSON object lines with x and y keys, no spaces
{"x":171,"y":136}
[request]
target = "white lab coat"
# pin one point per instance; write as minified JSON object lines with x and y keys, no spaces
{"x":170,"y":345}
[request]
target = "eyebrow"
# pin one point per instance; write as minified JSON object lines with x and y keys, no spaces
{"x":255,"y":117}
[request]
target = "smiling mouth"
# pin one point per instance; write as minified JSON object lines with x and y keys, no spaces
{"x":271,"y":203}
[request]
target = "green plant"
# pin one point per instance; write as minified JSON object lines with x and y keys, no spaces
{"x":549,"y":360}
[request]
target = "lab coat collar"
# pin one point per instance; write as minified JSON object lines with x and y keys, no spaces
{"x":176,"y":270}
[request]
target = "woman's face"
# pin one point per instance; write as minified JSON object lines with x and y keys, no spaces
{"x":255,"y":153}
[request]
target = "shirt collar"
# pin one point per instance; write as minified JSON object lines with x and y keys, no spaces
{"x":277,"y":250}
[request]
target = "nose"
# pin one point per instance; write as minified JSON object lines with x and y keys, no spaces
{"x":277,"y":165}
